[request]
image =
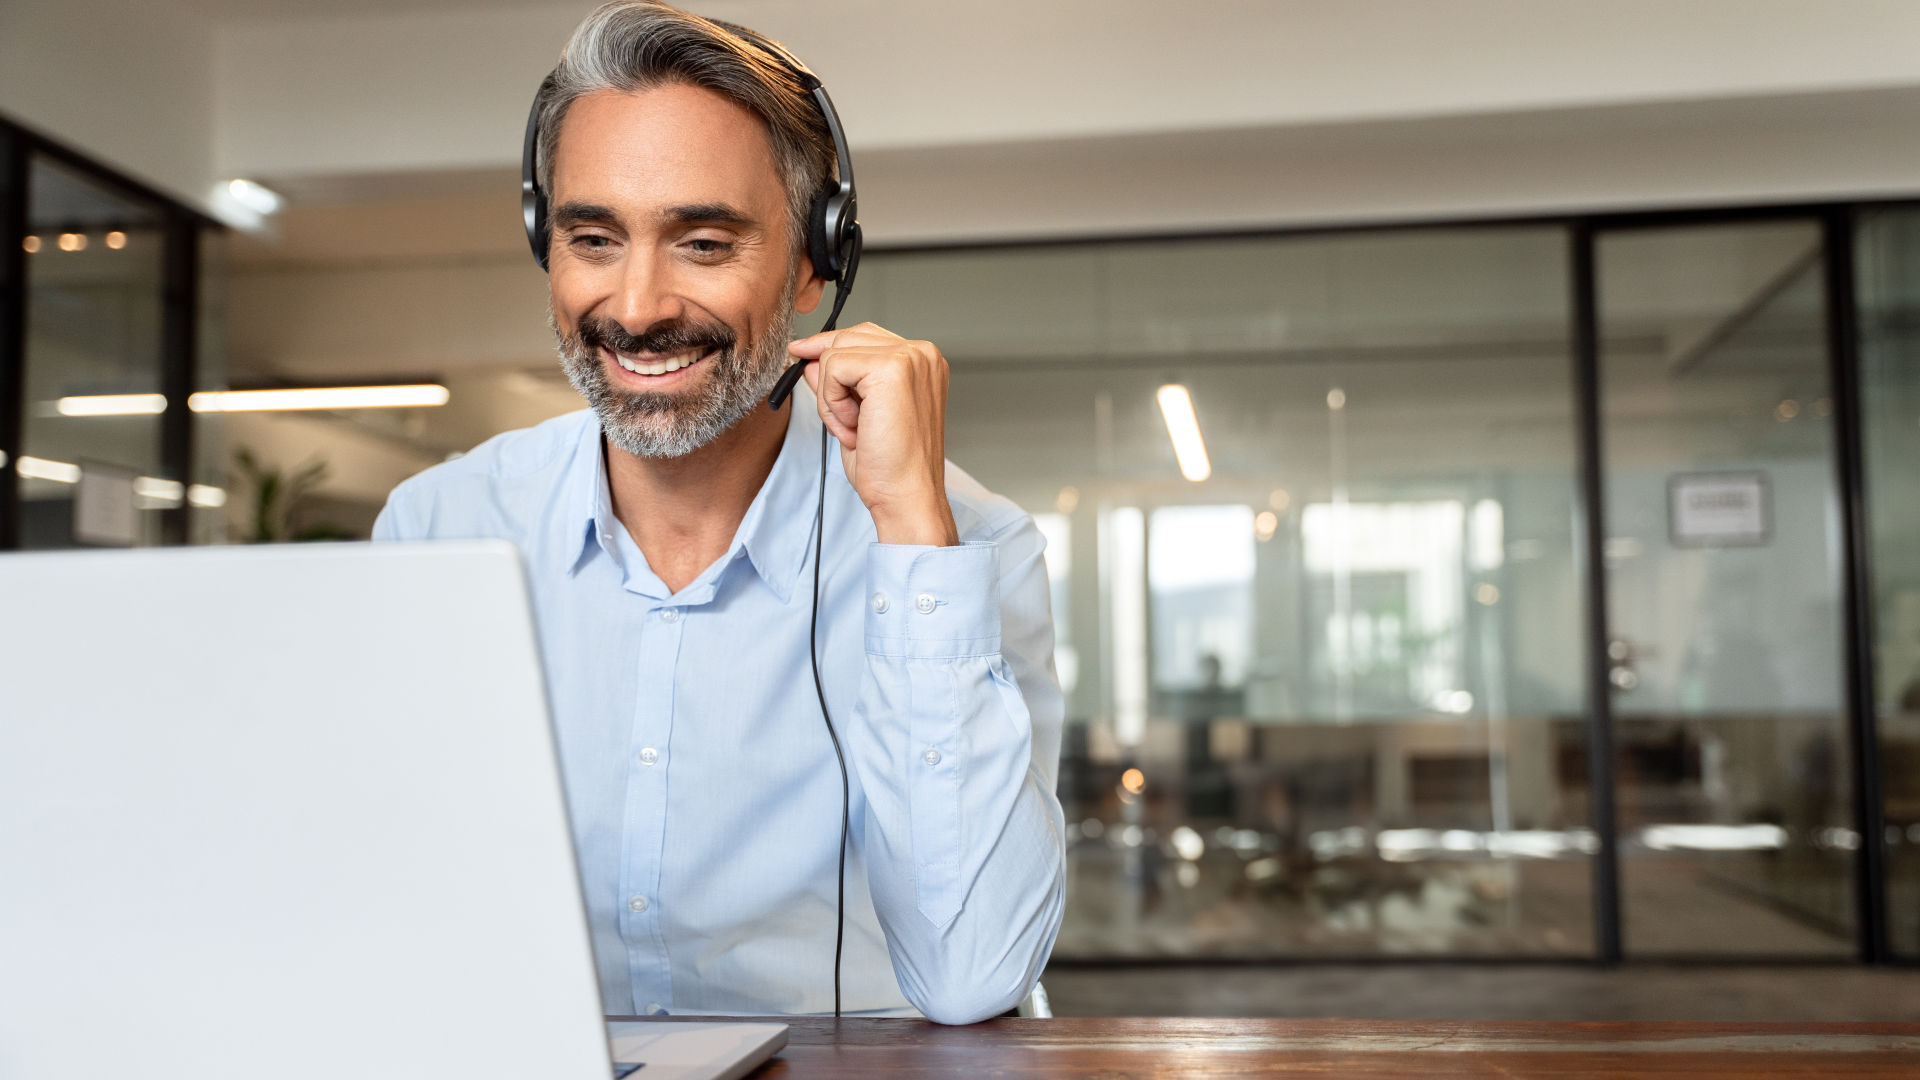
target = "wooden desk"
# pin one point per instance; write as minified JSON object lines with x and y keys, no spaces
{"x":1111,"y":1048}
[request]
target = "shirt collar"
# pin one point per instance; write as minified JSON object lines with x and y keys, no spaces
{"x":778,"y":526}
{"x":589,"y":513}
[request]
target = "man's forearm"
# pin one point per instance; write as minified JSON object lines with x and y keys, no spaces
{"x":963,"y":836}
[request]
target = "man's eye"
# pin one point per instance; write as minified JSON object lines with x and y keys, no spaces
{"x":710,"y":247}
{"x":592,"y":241}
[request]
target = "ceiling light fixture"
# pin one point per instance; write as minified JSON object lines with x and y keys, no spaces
{"x":154,"y":489}
{"x":419,"y":395}
{"x":1183,"y":427}
{"x":112,"y":405}
{"x":60,"y":472}
{"x":255,"y":197}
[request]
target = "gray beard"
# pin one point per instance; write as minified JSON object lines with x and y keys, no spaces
{"x":663,"y":425}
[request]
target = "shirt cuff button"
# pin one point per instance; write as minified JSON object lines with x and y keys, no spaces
{"x":924,"y":603}
{"x":880,"y":603}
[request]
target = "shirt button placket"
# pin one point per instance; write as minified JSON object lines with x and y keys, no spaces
{"x":647,"y":802}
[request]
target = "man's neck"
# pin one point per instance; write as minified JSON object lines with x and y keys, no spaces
{"x":683,"y":512}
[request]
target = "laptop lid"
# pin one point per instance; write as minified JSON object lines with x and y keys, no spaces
{"x":284,"y":811}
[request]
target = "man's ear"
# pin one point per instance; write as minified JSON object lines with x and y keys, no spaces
{"x":806,"y":295}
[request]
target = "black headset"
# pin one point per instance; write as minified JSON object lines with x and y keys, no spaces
{"x":833,"y":245}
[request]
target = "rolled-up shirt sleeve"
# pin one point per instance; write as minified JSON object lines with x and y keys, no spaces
{"x":956,"y":742}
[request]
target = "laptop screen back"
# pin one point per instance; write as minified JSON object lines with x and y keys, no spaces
{"x":289,"y":812}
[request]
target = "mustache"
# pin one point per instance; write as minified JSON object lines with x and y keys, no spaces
{"x":595,"y":331}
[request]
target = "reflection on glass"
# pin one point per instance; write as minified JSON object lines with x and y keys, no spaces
{"x":1057,"y":528}
{"x":93,"y":331}
{"x":1889,"y":290}
{"x":1723,"y":593}
{"x":1200,"y":581}
{"x":1387,"y":603}
{"x":1327,"y":700}
{"x":1124,"y":553}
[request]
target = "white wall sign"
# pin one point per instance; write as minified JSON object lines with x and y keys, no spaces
{"x":1719,"y":509}
{"x":103,"y":511}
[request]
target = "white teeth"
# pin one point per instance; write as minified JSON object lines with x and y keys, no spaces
{"x":671,"y":363}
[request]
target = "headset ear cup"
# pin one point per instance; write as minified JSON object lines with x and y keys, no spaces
{"x":822,"y":235}
{"x":533,"y":207}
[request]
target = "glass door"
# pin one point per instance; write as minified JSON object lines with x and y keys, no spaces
{"x":1723,"y":560}
{"x":90,"y":466}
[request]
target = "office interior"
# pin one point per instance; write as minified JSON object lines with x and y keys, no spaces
{"x":1476,"y":450}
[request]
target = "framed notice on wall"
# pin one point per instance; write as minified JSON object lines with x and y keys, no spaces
{"x":1731,"y":509}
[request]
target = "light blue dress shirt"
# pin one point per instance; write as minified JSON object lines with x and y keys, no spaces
{"x":704,"y":795}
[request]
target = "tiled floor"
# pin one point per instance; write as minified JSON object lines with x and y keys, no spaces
{"x":1492,"y":992}
{"x":1140,"y":904}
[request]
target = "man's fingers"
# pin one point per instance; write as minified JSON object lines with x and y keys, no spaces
{"x":841,"y":379}
{"x":810,"y":348}
{"x":840,"y":431}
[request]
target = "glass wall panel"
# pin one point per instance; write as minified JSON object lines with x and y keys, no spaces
{"x":1723,"y":568}
{"x":1326,"y":700}
{"x":1889,"y":291}
{"x":90,"y":465}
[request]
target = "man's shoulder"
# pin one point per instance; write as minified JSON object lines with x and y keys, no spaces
{"x":486,"y":480}
{"x":980,"y":514}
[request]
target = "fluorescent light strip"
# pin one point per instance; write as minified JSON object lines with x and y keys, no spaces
{"x":333,"y":397}
{"x":60,"y":472}
{"x":316,"y":398}
{"x":261,"y":200}
{"x":1184,"y":429}
{"x":112,"y":405}
{"x":153,"y":488}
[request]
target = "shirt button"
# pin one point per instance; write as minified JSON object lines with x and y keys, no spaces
{"x":637,"y":905}
{"x":649,"y":755}
{"x":923,"y":603}
{"x":671,"y":614}
{"x":879,"y":603}
{"x":931,"y":757}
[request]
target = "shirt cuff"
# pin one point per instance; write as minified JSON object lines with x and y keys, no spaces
{"x":932,"y":603}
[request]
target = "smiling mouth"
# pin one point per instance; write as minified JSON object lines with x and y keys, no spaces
{"x":663,"y":365}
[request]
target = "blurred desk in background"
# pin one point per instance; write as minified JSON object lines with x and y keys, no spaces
{"x":1113,"y":1048}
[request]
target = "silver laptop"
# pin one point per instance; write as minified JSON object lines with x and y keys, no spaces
{"x":295,"y":812}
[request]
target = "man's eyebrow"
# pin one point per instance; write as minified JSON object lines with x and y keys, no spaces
{"x":570,"y":214}
{"x":714,"y":213}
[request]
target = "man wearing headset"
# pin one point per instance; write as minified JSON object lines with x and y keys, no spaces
{"x":682,"y":173}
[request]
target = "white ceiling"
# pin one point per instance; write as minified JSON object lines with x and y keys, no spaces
{"x":248,"y":10}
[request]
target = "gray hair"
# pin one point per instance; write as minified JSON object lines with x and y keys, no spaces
{"x":631,"y":45}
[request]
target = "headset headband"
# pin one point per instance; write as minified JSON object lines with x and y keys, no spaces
{"x":833,"y":227}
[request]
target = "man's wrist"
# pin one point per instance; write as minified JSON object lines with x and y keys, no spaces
{"x":927,"y":525}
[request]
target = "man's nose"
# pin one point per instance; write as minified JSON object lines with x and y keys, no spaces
{"x":647,"y":296}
